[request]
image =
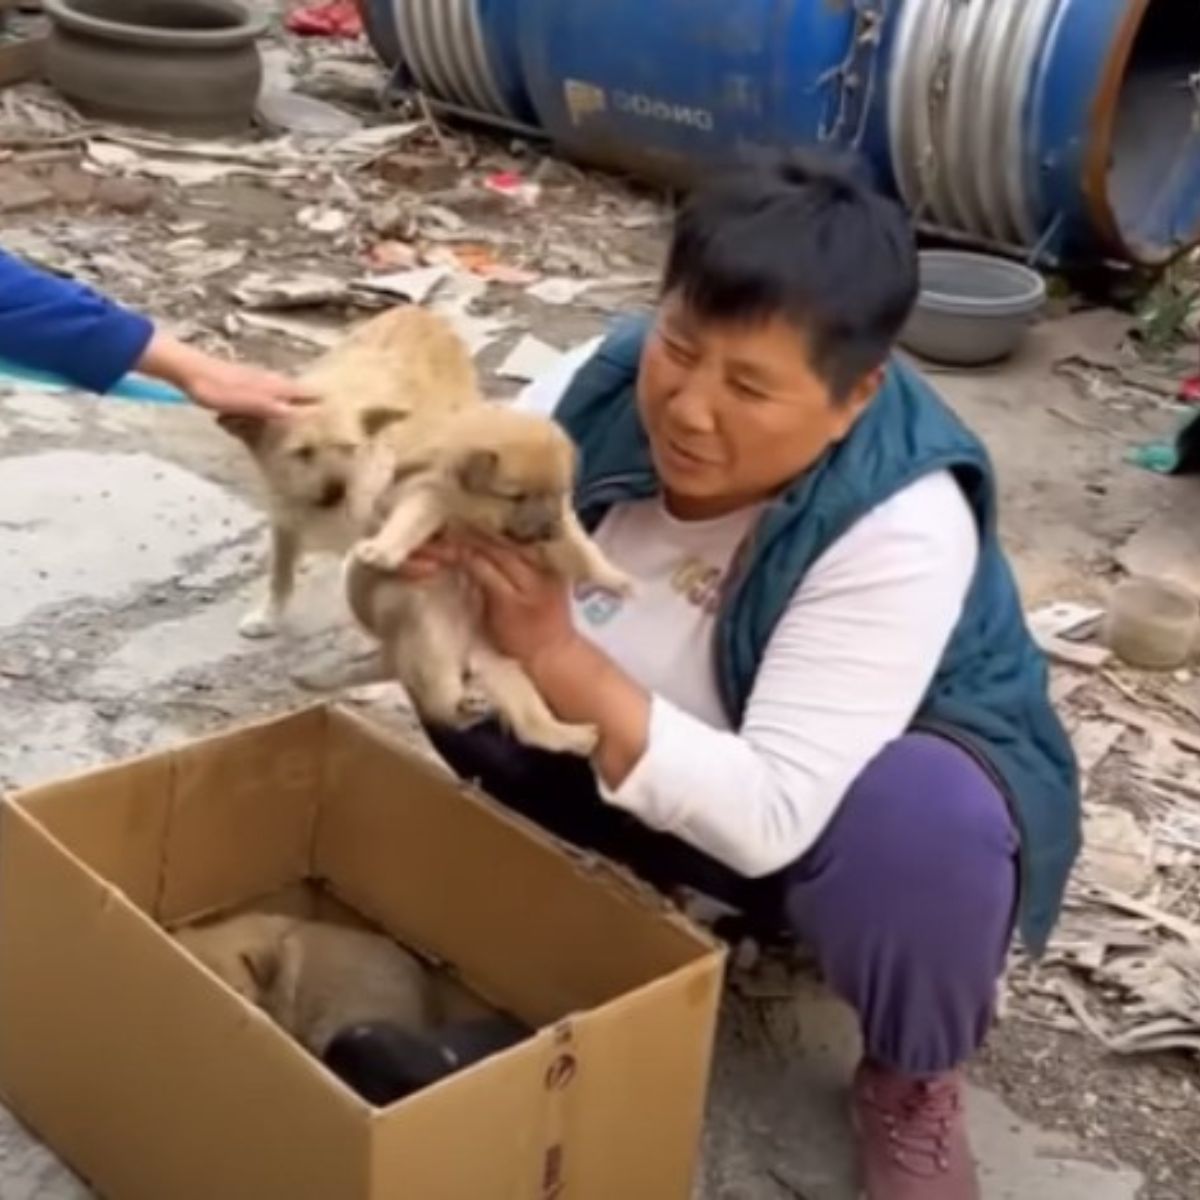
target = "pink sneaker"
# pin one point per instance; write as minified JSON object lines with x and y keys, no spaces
{"x":913,"y":1136}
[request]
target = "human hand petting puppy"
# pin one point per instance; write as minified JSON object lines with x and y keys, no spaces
{"x":219,"y":385}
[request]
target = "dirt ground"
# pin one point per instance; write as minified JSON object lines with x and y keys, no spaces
{"x":114,"y":647}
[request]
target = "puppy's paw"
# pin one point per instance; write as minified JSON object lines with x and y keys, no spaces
{"x":473,"y":708}
{"x":375,"y":553}
{"x":258,"y":624}
{"x":567,"y":739}
{"x":616,"y":582}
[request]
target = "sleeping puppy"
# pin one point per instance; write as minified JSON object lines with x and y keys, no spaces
{"x":388,"y":370}
{"x":313,"y":978}
{"x":384,"y":1063}
{"x":488,"y":470}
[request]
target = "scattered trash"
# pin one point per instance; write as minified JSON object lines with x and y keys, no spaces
{"x":18,"y":192}
{"x":513,"y":187}
{"x":392,"y":256}
{"x":319,"y":219}
{"x":528,"y":359}
{"x":293,"y":112}
{"x":416,"y":286}
{"x":559,"y":290}
{"x":312,"y":333}
{"x":483,"y":261}
{"x":330,"y":19}
{"x":1062,"y":630}
{"x":264,"y":291}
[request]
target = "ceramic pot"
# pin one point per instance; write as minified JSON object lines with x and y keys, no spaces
{"x":184,"y":66}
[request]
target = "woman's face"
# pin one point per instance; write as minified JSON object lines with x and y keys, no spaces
{"x":735,"y":412}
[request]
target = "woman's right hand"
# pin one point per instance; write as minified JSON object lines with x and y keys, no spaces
{"x":427,"y":562}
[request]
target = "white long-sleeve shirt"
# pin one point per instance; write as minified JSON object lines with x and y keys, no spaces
{"x":842,"y":676}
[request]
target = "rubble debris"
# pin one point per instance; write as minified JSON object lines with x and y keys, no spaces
{"x":415,"y":286}
{"x":1060,"y":629}
{"x":483,"y":261}
{"x":528,"y":359}
{"x":512,"y":186}
{"x":19,"y":193}
{"x":327,"y":19}
{"x":559,"y":290}
{"x":265,"y":291}
{"x":311,"y":333}
{"x":289,"y":111}
{"x":318,"y":219}
{"x":130,"y":196}
{"x":1151,"y":724}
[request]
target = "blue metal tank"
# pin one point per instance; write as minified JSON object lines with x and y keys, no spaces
{"x":1055,"y":129}
{"x":1067,"y":128}
{"x":460,"y":53}
{"x":665,"y":88}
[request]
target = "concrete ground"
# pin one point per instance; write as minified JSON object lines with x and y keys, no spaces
{"x":130,"y":543}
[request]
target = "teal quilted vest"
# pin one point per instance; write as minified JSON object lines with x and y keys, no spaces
{"x":990,"y":691}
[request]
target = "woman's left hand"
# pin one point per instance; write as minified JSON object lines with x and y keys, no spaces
{"x":528,"y":610}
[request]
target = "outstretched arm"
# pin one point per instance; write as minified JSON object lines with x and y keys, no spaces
{"x":55,"y":325}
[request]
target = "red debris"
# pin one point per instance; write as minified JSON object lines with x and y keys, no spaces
{"x":1189,"y":390}
{"x":328,"y":18}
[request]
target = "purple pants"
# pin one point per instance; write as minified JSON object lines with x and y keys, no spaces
{"x":907,"y":900}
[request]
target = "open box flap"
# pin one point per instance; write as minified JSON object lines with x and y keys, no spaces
{"x":509,"y":916}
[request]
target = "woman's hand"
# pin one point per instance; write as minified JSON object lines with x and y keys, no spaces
{"x":219,"y":385}
{"x":528,"y":617}
{"x":527,"y":609}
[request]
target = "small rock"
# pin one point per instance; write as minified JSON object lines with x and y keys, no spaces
{"x":419,"y":172}
{"x":392,"y":256}
{"x":323,"y":220}
{"x":19,"y":192}
{"x":393,"y":218}
{"x":124,"y":195}
{"x":70,"y":185}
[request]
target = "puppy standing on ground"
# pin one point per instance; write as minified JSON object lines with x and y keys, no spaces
{"x":489,"y":470}
{"x":390,"y":369}
{"x":315,"y":979}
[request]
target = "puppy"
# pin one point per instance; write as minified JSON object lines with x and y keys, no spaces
{"x":388,"y":370}
{"x":490,"y":470}
{"x":313,"y":978}
{"x":384,"y":1063}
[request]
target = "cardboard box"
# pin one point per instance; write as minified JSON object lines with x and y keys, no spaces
{"x":155,"y":1081}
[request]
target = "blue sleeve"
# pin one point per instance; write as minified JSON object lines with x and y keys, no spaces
{"x":51,"y":324}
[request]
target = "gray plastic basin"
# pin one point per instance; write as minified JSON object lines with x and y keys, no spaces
{"x":973,"y":309}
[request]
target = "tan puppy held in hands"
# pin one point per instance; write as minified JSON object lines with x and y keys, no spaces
{"x":487,"y":470}
{"x":388,"y":370}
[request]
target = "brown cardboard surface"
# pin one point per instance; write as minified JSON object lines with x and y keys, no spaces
{"x":114,"y":820}
{"x":243,"y":809}
{"x":152,"y":1079}
{"x":510,"y":915}
{"x":156,"y":1082}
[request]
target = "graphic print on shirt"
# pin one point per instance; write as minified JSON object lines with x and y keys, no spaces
{"x":696,"y":582}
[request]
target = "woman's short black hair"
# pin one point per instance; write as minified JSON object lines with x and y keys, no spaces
{"x":807,"y":239}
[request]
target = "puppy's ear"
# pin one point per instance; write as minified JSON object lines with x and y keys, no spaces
{"x":263,"y":963}
{"x":477,"y":471}
{"x":243,"y":427}
{"x":374,"y":420}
